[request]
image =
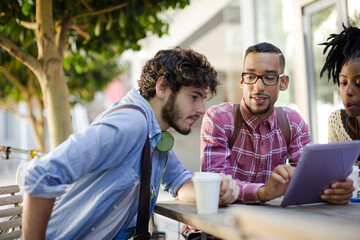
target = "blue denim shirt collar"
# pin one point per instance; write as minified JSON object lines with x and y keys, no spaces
{"x":134,"y":96}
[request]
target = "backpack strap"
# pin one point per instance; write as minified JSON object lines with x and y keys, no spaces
{"x":132,"y":106}
{"x":237,"y":125}
{"x":280,"y":118}
{"x":283,"y":124}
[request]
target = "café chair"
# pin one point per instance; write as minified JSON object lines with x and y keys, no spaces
{"x":10,"y":212}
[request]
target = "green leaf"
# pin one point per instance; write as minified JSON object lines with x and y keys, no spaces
{"x":183,"y":4}
{"x":21,"y":36}
{"x":109,"y":22}
{"x":152,"y":19}
{"x":26,"y":8}
{"x":122,"y":19}
{"x":98,"y":26}
{"x":78,"y":69}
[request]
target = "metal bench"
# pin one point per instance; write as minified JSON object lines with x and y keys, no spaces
{"x":10,"y":212}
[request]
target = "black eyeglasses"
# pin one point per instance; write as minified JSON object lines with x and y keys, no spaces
{"x":269,"y":79}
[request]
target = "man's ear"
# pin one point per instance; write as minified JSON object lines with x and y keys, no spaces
{"x":241,"y":83}
{"x":162,"y":87}
{"x":284,"y":83}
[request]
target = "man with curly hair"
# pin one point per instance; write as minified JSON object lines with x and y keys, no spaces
{"x":95,"y":175}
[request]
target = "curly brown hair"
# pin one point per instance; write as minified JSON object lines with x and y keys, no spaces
{"x":181,"y":67}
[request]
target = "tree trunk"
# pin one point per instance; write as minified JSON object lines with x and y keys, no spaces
{"x":52,"y":79}
{"x":56,"y":101}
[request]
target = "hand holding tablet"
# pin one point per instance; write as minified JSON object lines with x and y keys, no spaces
{"x":320,"y":165}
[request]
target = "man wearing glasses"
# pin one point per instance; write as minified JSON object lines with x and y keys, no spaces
{"x":257,"y":158}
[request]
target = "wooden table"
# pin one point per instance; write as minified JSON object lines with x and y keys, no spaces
{"x":270,"y":221}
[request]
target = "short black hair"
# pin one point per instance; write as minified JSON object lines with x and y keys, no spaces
{"x":180,"y":67}
{"x":342,"y":47}
{"x":266,"y":47}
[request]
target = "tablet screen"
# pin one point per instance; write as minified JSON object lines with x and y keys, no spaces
{"x":320,"y":165}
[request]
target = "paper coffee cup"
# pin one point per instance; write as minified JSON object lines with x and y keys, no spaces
{"x":207,"y":192}
{"x":355,"y":177}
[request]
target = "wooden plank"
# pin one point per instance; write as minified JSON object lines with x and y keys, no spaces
{"x":219,"y":225}
{"x":9,"y":189}
{"x":329,"y":222}
{"x":10,"y":224}
{"x":11,"y":200}
{"x":11,"y":211}
{"x":11,"y":235}
{"x":270,"y":221}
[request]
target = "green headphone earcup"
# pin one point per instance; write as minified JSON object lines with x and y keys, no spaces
{"x":166,"y":142}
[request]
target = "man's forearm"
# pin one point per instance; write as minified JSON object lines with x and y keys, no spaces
{"x":261,"y":194}
{"x":186,"y":192}
{"x":36,"y":215}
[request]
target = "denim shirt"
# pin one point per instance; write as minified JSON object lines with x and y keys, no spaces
{"x":94,"y":175}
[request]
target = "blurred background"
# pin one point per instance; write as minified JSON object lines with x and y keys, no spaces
{"x":221,"y":30}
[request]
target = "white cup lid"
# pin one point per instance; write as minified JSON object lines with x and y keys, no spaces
{"x":206,"y":176}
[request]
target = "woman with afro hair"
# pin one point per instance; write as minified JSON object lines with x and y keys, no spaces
{"x":343,"y":67}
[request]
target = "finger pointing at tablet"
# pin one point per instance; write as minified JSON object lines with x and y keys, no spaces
{"x":277,"y":184}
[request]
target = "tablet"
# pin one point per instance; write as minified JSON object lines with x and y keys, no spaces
{"x":320,"y":165}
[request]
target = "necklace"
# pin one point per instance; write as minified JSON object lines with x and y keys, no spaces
{"x":347,"y":125}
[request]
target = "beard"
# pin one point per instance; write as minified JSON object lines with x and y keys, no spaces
{"x":260,"y":111}
{"x":171,"y":114}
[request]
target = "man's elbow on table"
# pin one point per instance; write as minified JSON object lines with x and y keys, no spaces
{"x":186,"y":192}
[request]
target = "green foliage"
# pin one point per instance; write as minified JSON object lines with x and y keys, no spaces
{"x":84,"y":75}
{"x":89,"y":63}
{"x":9,"y":93}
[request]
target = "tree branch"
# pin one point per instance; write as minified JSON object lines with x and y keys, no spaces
{"x":87,"y":6}
{"x":80,"y":31}
{"x":61,"y":36}
{"x":14,"y":111}
{"x":36,"y":98}
{"x":90,"y":9}
{"x":29,"y":25}
{"x":13,"y":79}
{"x":14,"y":50}
{"x":91,"y":13}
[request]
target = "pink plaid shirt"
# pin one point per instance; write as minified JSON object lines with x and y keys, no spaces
{"x":259,"y":148}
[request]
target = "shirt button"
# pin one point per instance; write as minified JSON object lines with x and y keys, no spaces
{"x":92,"y":229}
